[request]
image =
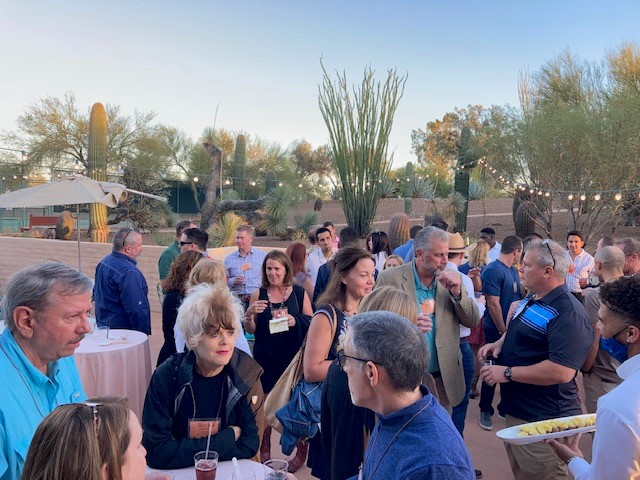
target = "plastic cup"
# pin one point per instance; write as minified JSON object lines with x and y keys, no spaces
{"x":206,"y":464}
{"x":160,"y":476}
{"x":276,"y":469}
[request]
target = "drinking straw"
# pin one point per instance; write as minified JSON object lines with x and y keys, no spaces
{"x":206,"y":454}
{"x":238,"y":475}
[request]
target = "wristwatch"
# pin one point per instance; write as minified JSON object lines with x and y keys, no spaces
{"x":507,"y":373}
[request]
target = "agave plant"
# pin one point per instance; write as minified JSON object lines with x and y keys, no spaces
{"x":423,"y":188}
{"x":304,"y":222}
{"x":388,"y":189}
{"x":223,"y":232}
{"x":476,"y":190}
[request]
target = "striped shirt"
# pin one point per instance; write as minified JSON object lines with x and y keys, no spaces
{"x":582,"y":265}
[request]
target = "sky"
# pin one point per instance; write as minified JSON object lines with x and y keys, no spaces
{"x":259,"y":61}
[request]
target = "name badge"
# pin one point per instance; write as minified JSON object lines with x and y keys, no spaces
{"x":245,"y":266}
{"x":278,"y":325}
{"x":199,"y":427}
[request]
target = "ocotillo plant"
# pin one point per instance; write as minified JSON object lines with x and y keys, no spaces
{"x":98,"y":170}
{"x":408,"y":188}
{"x":239,"y":165}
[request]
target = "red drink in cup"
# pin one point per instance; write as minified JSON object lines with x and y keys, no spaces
{"x":206,"y":464}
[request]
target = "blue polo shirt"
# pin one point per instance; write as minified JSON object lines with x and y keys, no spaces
{"x":503,"y":282}
{"x":27,"y":397}
{"x":556,"y":328}
{"x":428,"y":293}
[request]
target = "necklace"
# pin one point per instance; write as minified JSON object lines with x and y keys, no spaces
{"x":373,"y":443}
{"x":26,"y":384}
{"x":284,"y":299}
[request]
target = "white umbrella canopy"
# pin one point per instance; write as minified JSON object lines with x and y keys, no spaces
{"x":74,"y":189}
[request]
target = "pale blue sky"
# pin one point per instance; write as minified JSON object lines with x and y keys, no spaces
{"x":261,"y":59}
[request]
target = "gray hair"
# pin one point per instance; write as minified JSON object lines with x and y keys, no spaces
{"x":394,"y":342}
{"x":427,"y":235}
{"x":208,"y":307}
{"x":555,"y":254}
{"x":123,"y":237}
{"x":629,"y":245}
{"x":35,"y":285}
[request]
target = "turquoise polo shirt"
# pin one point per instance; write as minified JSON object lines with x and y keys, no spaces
{"x":428,"y":293}
{"x":27,"y":397}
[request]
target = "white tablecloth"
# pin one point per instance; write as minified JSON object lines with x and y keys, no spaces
{"x":224,"y":472}
{"x":122,"y":368}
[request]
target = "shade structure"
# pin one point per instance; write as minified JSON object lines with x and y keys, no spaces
{"x":74,"y":189}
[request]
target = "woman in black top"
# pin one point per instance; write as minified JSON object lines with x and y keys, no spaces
{"x":174,"y":287}
{"x":279,"y":314}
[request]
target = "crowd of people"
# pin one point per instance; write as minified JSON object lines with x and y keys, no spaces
{"x":399,"y":340}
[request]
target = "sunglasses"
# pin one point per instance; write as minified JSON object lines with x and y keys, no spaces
{"x":546,"y":242}
{"x":94,"y":409}
{"x":182,"y":244}
{"x":124,"y":240}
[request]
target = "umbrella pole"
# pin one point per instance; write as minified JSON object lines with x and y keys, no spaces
{"x":78,"y":234}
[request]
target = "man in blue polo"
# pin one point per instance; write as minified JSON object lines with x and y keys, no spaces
{"x":121,"y":291}
{"x":546,"y":343}
{"x":45,"y":308}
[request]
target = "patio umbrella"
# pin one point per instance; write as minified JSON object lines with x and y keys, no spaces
{"x":76,"y":189}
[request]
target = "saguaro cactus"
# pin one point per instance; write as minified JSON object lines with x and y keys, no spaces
{"x":466,"y":160}
{"x":270,"y":181}
{"x":98,"y":170}
{"x":239,"y":165}
{"x":408,"y":188}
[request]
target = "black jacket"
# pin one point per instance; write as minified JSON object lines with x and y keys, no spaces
{"x":244,"y":408}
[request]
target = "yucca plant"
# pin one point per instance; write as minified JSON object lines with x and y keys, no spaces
{"x":303,"y":223}
{"x":229,"y":194}
{"x":223,"y":232}
{"x":278,"y":203}
{"x":449,"y":208}
{"x":476,"y":190}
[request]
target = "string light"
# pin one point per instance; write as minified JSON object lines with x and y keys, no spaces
{"x":570,"y":197}
{"x":618,"y":197}
{"x":597,"y":197}
{"x":583,"y":197}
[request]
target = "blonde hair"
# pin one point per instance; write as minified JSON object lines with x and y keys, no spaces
{"x":390,"y":299}
{"x":71,"y":443}
{"x":393,"y":257}
{"x":206,"y":309}
{"x":207,"y":271}
{"x":479,"y":256}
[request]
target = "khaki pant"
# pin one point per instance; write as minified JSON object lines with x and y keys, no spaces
{"x":535,"y":461}
{"x":594,"y":388}
{"x":442,"y":394}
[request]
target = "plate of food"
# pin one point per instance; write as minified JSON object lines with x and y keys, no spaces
{"x":542,"y":430}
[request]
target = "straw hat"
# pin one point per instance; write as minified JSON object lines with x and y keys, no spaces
{"x":456,"y":243}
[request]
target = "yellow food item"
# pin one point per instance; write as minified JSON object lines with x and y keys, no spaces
{"x":556,"y":425}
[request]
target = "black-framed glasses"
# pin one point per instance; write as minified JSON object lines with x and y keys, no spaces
{"x":182,"y":244}
{"x":342,"y":359}
{"x":546,"y":242}
{"x":94,"y":409}
{"x":124,"y":240}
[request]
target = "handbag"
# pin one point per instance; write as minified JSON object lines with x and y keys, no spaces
{"x":281,"y":392}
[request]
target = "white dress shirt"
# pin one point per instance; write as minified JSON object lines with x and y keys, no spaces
{"x":582,"y":265}
{"x":314,"y":261}
{"x":468,"y":287}
{"x":616,"y":447}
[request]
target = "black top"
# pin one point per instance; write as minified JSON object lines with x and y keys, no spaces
{"x":170,"y":305}
{"x":275,"y":351}
{"x":554,"y":328}
{"x":345,"y":427}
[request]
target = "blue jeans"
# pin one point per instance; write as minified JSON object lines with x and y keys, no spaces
{"x":491,"y":335}
{"x":459,"y":412}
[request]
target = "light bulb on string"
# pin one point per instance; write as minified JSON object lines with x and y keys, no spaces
{"x":583,"y":197}
{"x":570,"y":197}
{"x":195,"y":179}
{"x":547,"y":194}
{"x":618,"y":196}
{"x":597,"y":197}
{"x":280,"y":184}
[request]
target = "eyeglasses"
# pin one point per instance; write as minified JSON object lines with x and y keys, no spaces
{"x":342,"y":359}
{"x":94,"y":409}
{"x":182,"y":244}
{"x":124,"y":240}
{"x":546,"y":242}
